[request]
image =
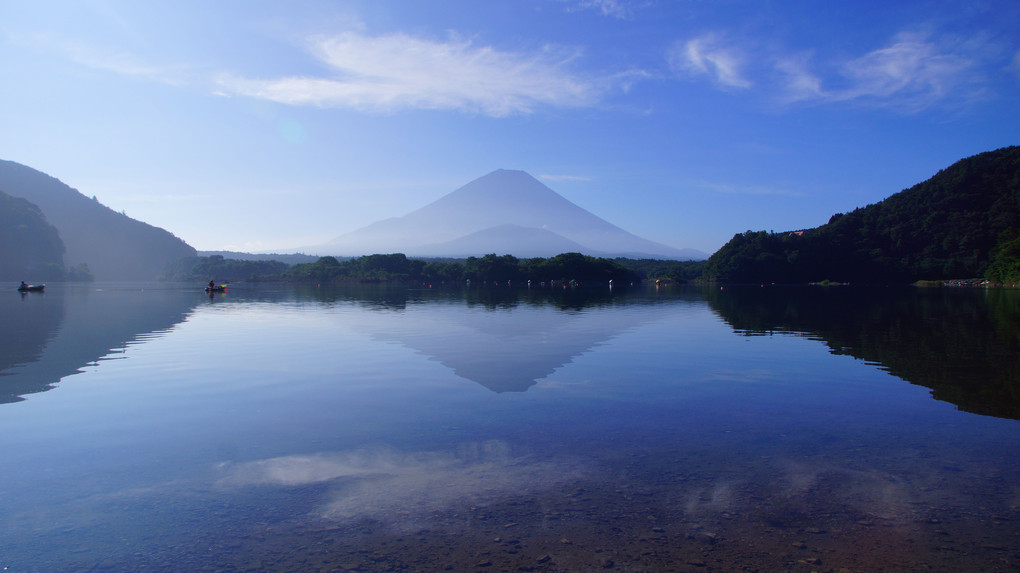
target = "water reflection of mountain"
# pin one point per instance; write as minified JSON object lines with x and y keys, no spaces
{"x":964,"y":344}
{"x":54,"y":334}
{"x":504,"y":338}
{"x":29,"y":321}
{"x":508,"y":339}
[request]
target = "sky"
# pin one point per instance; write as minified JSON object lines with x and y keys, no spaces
{"x":271,"y":126}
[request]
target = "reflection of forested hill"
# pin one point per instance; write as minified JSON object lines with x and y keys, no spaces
{"x":113,"y":245}
{"x":964,"y":344}
{"x":52,"y":335}
{"x":29,"y":321}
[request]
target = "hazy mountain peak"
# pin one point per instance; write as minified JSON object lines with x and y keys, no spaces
{"x":504,"y":199}
{"x":506,"y":185}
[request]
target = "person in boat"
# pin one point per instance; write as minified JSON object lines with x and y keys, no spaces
{"x":212,"y":285}
{"x":24,"y":284}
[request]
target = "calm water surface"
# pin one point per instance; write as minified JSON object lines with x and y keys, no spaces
{"x":153,"y":427}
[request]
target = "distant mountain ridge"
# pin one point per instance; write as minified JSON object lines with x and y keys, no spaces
{"x":962,"y":223}
{"x":504,"y":212}
{"x":113,"y":245}
{"x":290,"y":259}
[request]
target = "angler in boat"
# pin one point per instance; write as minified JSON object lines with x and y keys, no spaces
{"x":25,"y":287}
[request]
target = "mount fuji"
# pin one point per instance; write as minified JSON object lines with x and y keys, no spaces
{"x":504,"y":212}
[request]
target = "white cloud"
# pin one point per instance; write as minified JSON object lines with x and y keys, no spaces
{"x":912,"y":72}
{"x":398,"y":71}
{"x":709,"y":56}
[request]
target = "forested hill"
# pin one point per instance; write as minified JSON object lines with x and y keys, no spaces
{"x":112,"y":245}
{"x":30,"y":248}
{"x":962,"y":223}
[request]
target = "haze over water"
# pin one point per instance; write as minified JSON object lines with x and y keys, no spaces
{"x":373,"y":429}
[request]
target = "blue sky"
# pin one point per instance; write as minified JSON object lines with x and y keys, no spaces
{"x":264,"y":126}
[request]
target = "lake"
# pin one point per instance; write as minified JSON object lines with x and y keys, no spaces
{"x":296,"y":428}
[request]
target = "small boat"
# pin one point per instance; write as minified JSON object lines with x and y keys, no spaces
{"x":31,"y":288}
{"x":219,"y":288}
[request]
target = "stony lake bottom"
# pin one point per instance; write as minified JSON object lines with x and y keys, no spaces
{"x":283,"y":428}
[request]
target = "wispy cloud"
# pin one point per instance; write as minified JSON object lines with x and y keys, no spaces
{"x":398,"y":71}
{"x":110,"y":60}
{"x":710,"y":56}
{"x":798,"y":83}
{"x":613,"y":8}
{"x":912,"y":72}
{"x":747,"y":189}
{"x":550,"y":177}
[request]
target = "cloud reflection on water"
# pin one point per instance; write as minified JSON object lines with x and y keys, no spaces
{"x":867,"y":491}
{"x":395,"y":487}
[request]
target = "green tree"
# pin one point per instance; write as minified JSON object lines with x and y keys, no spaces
{"x":1005,"y":265}
{"x":492,"y":268}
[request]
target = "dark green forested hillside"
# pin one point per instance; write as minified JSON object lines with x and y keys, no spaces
{"x":962,"y":223}
{"x":30,"y":248}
